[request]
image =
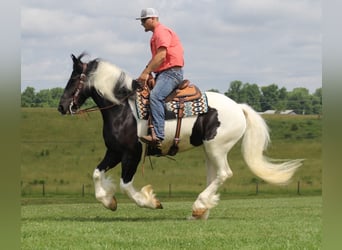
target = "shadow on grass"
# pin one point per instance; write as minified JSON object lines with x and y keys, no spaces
{"x":105,"y":219}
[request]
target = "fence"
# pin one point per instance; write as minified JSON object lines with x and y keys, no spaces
{"x":41,"y":188}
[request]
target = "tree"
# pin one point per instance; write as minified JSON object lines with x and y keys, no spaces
{"x":234,"y":92}
{"x":28,"y":97}
{"x":43,"y":98}
{"x":282,"y":99}
{"x":56,"y":94}
{"x":270,"y":97}
{"x":213,"y":90}
{"x":317,"y":101}
{"x":300,"y":101}
{"x":252,"y":95}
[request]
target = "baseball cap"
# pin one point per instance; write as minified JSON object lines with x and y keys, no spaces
{"x":148,"y":12}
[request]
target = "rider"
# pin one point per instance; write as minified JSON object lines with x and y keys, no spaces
{"x":166,"y":62}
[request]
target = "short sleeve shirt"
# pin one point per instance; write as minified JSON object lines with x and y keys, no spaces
{"x":165,"y":37}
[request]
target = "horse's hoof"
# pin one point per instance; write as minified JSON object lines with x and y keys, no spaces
{"x":113,"y":204}
{"x":159,"y":205}
{"x":199,"y":214}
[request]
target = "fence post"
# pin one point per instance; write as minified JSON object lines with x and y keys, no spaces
{"x":43,"y":188}
{"x":170,"y":190}
{"x":83,"y":190}
{"x":298,"y":187}
{"x":257,"y":187}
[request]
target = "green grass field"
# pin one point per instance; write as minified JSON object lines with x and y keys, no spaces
{"x":59,"y":210}
{"x":277,"y":223}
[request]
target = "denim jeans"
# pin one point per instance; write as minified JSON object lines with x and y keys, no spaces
{"x":166,"y":82}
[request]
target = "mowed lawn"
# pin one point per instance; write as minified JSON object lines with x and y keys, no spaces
{"x":256,"y":223}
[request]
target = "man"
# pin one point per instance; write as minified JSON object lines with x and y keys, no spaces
{"x":166,"y":62}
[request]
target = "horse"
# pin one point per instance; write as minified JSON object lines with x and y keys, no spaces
{"x":216,"y":131}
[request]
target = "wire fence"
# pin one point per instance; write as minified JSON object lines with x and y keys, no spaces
{"x":42,"y":189}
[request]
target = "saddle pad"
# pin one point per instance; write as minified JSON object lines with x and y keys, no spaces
{"x":191,"y":108}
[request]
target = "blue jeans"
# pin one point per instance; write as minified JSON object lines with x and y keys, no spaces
{"x":166,"y":82}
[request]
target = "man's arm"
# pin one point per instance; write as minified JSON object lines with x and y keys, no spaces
{"x":154,"y":64}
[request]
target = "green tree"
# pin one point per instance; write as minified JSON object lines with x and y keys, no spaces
{"x":282,"y":99}
{"x":317,"y":101}
{"x":270,"y":97}
{"x":213,"y":90}
{"x":300,"y":101}
{"x":43,"y":98}
{"x":252,"y":95}
{"x":56,"y":94}
{"x":235,"y":91}
{"x":28,"y":97}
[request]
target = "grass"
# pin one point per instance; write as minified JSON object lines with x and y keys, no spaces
{"x":279,"y":223}
{"x":56,"y":155}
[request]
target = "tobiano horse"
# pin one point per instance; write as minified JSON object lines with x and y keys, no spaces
{"x":216,"y":131}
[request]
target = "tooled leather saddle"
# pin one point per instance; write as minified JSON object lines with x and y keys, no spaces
{"x":185,"y":92}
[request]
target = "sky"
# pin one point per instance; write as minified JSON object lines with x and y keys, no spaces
{"x":259,"y":42}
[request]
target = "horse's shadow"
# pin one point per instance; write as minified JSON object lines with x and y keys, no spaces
{"x":117,"y":219}
{"x":103,"y":219}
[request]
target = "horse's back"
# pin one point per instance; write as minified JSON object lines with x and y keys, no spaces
{"x":230,"y":115}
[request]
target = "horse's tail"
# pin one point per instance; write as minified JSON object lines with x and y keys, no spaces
{"x":255,"y":141}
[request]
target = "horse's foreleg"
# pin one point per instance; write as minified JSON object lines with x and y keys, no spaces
{"x":143,"y":198}
{"x":104,"y":189}
{"x":217,"y":172}
{"x":104,"y":186}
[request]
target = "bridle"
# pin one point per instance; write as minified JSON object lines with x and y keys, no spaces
{"x":79,"y":86}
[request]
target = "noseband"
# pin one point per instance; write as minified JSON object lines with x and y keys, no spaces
{"x":79,"y":86}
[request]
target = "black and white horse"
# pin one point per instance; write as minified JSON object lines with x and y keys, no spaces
{"x":216,"y":131}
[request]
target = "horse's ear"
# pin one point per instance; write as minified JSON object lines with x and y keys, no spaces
{"x":74,"y":59}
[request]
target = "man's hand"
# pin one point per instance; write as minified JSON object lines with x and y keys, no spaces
{"x":143,"y":78}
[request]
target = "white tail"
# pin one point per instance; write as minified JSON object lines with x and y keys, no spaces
{"x":255,"y":141}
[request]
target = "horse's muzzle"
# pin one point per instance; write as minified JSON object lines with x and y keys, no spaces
{"x":61,"y":109}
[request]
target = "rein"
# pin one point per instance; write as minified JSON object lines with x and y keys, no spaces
{"x":92,"y":109}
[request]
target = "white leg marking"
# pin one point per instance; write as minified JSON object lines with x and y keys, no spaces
{"x":217,"y":172}
{"x":104,"y":189}
{"x":144,"y":198}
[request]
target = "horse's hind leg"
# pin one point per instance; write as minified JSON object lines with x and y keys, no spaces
{"x":217,"y":172}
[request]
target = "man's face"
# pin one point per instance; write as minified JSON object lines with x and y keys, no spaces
{"x":147,"y":23}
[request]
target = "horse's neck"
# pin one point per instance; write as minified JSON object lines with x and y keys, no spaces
{"x":104,"y":80}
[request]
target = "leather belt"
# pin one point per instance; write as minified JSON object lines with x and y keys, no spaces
{"x":174,"y":67}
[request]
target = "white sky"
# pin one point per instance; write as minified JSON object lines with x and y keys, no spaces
{"x":254,"y":41}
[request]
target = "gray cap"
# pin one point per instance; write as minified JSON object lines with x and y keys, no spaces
{"x":148,"y":12}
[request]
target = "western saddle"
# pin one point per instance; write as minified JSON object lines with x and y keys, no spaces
{"x":184,"y":92}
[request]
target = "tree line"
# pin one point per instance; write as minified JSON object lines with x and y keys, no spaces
{"x":264,"y":98}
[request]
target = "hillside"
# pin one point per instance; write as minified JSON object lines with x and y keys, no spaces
{"x":62,"y":152}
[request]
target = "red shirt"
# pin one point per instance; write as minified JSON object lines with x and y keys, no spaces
{"x":165,"y":37}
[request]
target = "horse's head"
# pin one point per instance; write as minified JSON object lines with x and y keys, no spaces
{"x":110,"y":83}
{"x":76,"y":92}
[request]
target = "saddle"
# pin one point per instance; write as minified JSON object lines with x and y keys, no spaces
{"x":184,"y":92}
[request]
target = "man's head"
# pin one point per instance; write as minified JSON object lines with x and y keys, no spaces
{"x":149,"y":17}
